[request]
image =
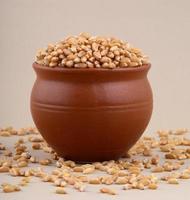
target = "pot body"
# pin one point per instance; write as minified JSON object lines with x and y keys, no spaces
{"x":91,"y":114}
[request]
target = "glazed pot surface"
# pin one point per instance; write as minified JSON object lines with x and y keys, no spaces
{"x":91,"y":114}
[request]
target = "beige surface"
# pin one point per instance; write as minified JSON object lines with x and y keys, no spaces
{"x":161,"y":28}
{"x":37,"y":189}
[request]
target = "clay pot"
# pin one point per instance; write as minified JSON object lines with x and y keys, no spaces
{"x":91,"y":114}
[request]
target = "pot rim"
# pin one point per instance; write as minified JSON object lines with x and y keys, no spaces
{"x":144,"y":67}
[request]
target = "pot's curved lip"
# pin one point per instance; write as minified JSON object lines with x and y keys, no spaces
{"x":144,"y":67}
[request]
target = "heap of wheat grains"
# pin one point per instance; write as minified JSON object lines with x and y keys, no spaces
{"x":86,"y":51}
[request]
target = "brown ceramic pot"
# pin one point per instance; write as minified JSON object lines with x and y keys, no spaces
{"x":91,"y":114}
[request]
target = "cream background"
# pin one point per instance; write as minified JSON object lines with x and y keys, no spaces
{"x":161,"y":28}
